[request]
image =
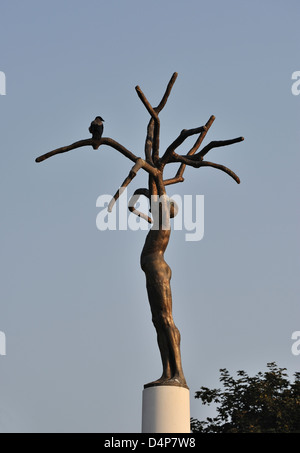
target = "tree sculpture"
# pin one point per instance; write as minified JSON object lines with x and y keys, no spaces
{"x":162,"y":208}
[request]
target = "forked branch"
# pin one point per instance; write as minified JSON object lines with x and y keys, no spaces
{"x":184,"y":134}
{"x":156,"y":130}
{"x":179,"y":175}
{"x":152,"y":151}
{"x":197,"y":161}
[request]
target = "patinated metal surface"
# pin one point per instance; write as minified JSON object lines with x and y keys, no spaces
{"x":157,"y":271}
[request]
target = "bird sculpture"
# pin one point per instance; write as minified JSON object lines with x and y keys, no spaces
{"x":96,"y":128}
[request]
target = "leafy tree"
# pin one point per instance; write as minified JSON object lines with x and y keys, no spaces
{"x":265,"y":403}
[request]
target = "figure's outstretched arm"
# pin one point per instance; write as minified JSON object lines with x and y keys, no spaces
{"x":103,"y":141}
{"x":65,"y":149}
{"x":126,"y":182}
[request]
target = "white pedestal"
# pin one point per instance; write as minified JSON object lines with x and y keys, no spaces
{"x":166,"y":409}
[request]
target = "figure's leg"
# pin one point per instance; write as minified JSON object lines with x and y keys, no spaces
{"x":171,"y":337}
{"x":164,"y":353}
{"x":168,"y":336}
{"x":158,"y":276}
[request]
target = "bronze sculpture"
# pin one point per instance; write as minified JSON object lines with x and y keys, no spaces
{"x":157,"y":271}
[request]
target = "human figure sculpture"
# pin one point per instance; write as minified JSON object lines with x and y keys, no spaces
{"x":157,"y":271}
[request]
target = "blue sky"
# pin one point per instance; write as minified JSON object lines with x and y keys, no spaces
{"x":73,"y":303}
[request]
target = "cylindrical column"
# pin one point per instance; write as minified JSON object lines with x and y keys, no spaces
{"x":166,"y":409}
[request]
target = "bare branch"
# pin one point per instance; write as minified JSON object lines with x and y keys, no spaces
{"x":222,"y":168}
{"x":103,"y":141}
{"x":184,"y":134}
{"x":160,"y":184}
{"x":201,"y":136}
{"x":146,"y":103}
{"x":216,"y":144}
{"x":197,"y":163}
{"x":167,"y":93}
{"x":152,"y":185}
{"x":121,"y":149}
{"x":149,"y":141}
{"x":64,"y":149}
{"x":126,"y":182}
{"x":174,"y":180}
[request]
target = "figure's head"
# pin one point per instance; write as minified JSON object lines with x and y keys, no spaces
{"x":99,"y":118}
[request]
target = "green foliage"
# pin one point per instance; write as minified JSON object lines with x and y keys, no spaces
{"x":265,"y":403}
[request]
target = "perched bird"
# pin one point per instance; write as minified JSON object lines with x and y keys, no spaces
{"x":96,"y":128}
